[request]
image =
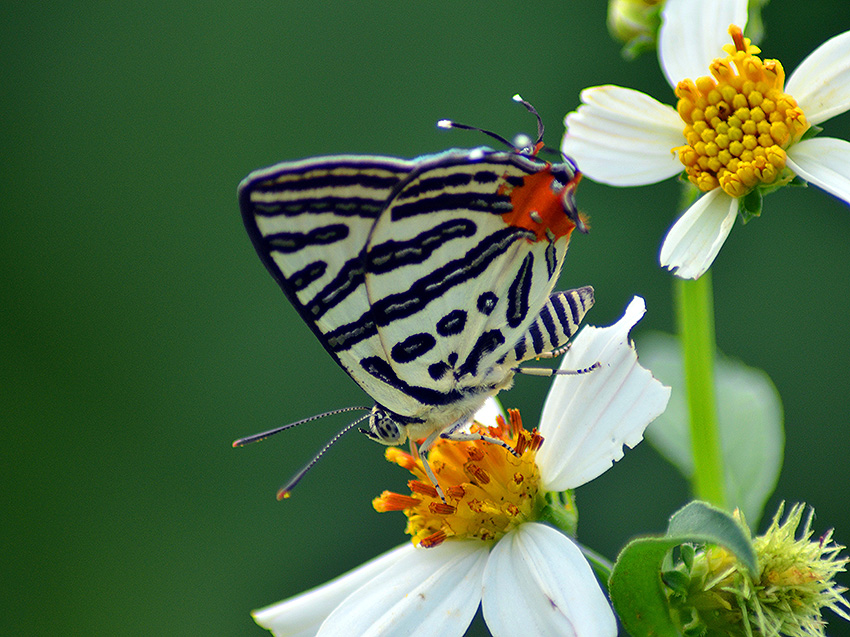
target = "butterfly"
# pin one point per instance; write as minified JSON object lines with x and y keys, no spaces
{"x":428,"y":280}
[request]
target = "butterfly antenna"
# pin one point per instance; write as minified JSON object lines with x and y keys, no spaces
{"x":285,"y":491}
{"x":262,"y":436}
{"x":533,"y":111}
{"x":447,"y":123}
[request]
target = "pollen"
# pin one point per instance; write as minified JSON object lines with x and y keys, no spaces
{"x":488,"y":489}
{"x":738,"y":122}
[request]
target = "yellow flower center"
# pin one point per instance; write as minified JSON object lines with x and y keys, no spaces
{"x":488,"y":490}
{"x":737,"y":124}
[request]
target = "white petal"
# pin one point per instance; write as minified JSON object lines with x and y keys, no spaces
{"x":538,"y":583}
{"x":695,"y":239}
{"x":821,"y":84}
{"x":824,"y":162}
{"x":302,"y":615}
{"x":623,"y":137}
{"x":489,"y":411}
{"x":431,"y":592}
{"x":587,"y":418}
{"x":693,"y":33}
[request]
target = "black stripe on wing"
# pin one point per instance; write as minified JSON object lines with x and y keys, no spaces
{"x":488,"y":342}
{"x":337,"y":188}
{"x":557,"y":322}
{"x":334,"y":179}
{"x":294,"y":241}
{"x":482,"y":175}
{"x":349,"y":277}
{"x":389,"y":255}
{"x":442,"y":279}
{"x":519,"y":291}
{"x":430,"y":188}
{"x":383,"y":371}
{"x":305,"y":276}
{"x":340,"y":206}
{"x":425,"y":290}
{"x":474,"y":201}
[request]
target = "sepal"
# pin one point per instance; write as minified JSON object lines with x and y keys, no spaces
{"x":750,"y":205}
{"x":650,"y":576}
{"x":560,"y":511}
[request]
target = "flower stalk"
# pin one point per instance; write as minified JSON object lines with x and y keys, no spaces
{"x":695,"y":315}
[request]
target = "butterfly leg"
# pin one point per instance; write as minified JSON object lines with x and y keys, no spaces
{"x":548,"y":371}
{"x":423,"y":455}
{"x":454,"y":433}
{"x":555,"y":352}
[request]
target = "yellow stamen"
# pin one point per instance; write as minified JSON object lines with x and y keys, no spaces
{"x":390,"y":501}
{"x":433,"y":540}
{"x":488,"y":490}
{"x":417,"y":486}
{"x":737,"y":125}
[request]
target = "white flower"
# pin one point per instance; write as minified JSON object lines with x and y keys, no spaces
{"x":623,"y":137}
{"x":530,"y":579}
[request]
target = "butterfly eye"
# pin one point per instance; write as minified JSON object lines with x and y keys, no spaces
{"x":384,"y":429}
{"x":566,"y":178}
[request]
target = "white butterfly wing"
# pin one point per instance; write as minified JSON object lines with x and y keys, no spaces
{"x":310,"y":221}
{"x":452,"y":284}
{"x":417,"y":276}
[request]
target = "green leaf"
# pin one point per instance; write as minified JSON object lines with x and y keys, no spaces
{"x":750,"y":421}
{"x":687,"y":555}
{"x":704,"y":523}
{"x":638,"y":581}
{"x":677,"y":581}
{"x":637,"y":591}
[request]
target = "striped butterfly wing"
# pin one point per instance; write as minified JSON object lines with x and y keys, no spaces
{"x":457,"y":273}
{"x":557,"y":322}
{"x":310,"y":221}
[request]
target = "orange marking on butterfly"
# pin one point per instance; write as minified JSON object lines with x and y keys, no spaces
{"x":536,"y":195}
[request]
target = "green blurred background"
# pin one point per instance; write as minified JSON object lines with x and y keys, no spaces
{"x":141,"y":334}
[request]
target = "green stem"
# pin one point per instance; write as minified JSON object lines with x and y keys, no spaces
{"x":695,"y":314}
{"x":600,"y":565}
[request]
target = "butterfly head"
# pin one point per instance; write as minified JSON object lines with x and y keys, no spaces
{"x":568,"y":176}
{"x":544,"y":202}
{"x":385,"y":427}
